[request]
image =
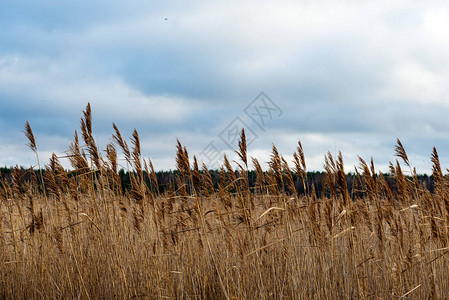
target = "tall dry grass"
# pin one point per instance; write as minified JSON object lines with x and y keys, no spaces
{"x":78,"y":235}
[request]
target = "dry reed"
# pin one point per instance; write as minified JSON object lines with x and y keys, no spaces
{"x":91,"y":239}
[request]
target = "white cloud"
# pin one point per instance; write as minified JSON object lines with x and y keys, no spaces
{"x":414,"y":82}
{"x":435,"y":27}
{"x":63,"y":85}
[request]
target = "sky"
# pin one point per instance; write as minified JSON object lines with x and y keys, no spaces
{"x":349,"y":76}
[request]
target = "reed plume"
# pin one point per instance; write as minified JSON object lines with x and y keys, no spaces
{"x":400,"y":152}
{"x":300,"y":165}
{"x":117,"y":137}
{"x":86,"y":130}
{"x":29,"y":134}
{"x":242,"y":149}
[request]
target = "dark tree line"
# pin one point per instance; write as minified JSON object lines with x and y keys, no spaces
{"x":167,"y":178}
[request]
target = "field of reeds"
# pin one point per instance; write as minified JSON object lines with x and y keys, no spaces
{"x":78,"y":234}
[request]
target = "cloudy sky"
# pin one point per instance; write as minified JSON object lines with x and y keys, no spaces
{"x":338,"y":75}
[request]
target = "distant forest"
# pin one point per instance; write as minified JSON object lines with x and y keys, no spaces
{"x":167,"y":179}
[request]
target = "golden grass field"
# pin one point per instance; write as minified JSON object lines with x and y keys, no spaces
{"x":78,"y":235}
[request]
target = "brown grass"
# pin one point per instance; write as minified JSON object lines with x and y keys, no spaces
{"x":89,"y":240}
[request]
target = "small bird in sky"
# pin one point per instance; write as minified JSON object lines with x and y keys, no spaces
{"x":166,"y":19}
